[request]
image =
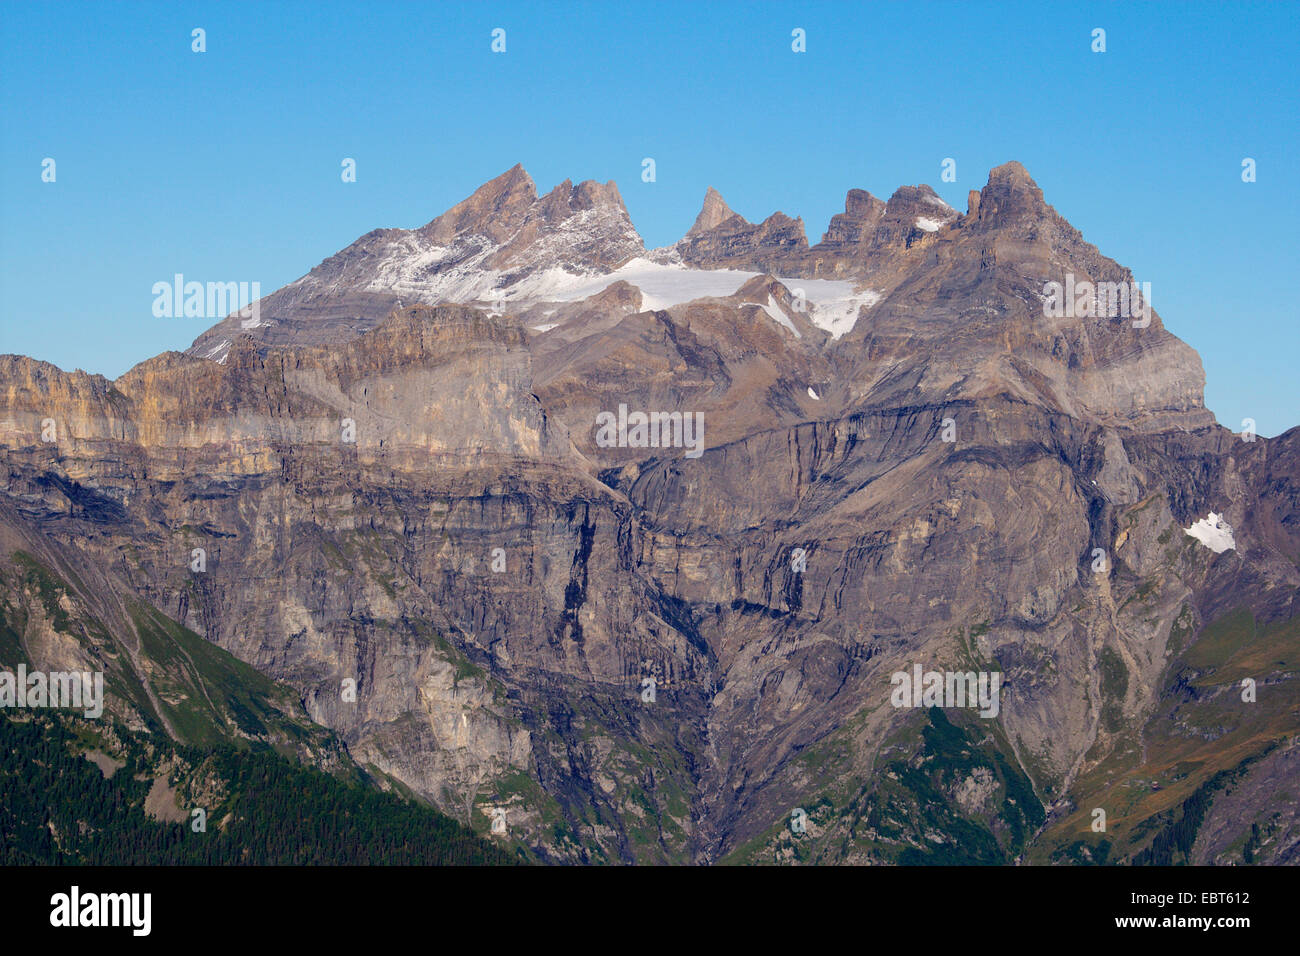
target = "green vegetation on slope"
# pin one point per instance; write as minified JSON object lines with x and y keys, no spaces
{"x":956,"y":799}
{"x":57,"y":807}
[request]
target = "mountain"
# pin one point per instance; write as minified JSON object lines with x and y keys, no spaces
{"x":423,"y":471}
{"x":502,"y":234}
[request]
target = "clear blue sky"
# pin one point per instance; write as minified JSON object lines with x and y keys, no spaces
{"x":225,"y":165}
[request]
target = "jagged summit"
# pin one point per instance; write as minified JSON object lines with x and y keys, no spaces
{"x":503,"y":207}
{"x":909,"y":264}
{"x":502,"y":234}
{"x":852,"y":244}
{"x":734,"y":242}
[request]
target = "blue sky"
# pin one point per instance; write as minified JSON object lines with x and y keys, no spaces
{"x":225,"y":165}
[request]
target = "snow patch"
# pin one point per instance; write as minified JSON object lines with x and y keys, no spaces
{"x":412,"y":266}
{"x":1214,"y":533}
{"x":545,"y":328}
{"x":838,"y":314}
{"x":661,"y":286}
{"x":833,"y":303}
{"x":812,"y":394}
{"x":929,"y":225}
{"x":777,"y":314}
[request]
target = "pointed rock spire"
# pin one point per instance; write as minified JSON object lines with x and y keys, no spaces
{"x":713,"y":214}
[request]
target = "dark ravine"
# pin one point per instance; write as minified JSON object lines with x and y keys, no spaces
{"x":373,"y":559}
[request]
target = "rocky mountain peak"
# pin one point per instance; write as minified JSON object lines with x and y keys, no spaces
{"x":1010,"y":195}
{"x":859,"y":203}
{"x":1011,"y":172}
{"x":862,"y":211}
{"x":589,"y":194}
{"x":910,"y":213}
{"x":910,"y":195}
{"x":919,"y":202}
{"x":713,"y":214}
{"x":495,"y":209}
{"x":576,"y":228}
{"x":566,"y":199}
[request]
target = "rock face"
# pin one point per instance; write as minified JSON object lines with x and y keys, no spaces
{"x":852,"y":229}
{"x":657,"y":639}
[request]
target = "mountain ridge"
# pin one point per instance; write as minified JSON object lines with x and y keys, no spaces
{"x":504,"y":231}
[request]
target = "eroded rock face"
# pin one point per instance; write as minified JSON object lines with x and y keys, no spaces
{"x":647,"y":655}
